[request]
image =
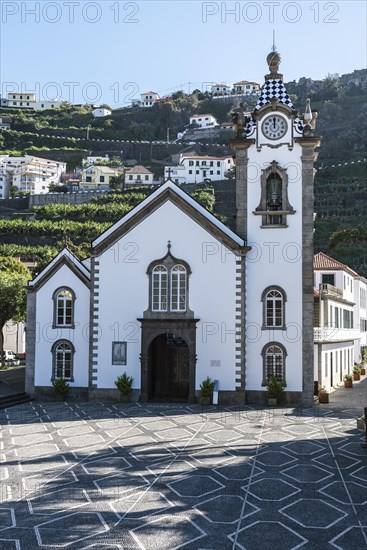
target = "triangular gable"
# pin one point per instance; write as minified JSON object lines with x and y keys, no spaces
{"x":168,"y":191}
{"x":65,"y":257}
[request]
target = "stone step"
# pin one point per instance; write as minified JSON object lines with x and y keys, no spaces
{"x":14,"y":399}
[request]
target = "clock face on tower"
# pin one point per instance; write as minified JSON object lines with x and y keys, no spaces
{"x":274,"y":127}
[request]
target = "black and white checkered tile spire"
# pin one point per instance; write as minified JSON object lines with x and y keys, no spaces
{"x":273,"y":89}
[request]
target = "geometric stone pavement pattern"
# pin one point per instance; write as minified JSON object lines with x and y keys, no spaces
{"x":162,"y":477}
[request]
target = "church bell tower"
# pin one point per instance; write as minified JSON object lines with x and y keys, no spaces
{"x":275,"y":156}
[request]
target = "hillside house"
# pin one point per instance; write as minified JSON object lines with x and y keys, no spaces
{"x":139,"y":175}
{"x":340,"y":319}
{"x":196,"y":169}
{"x":204,"y":121}
{"x":98,"y":177}
{"x":245,"y":87}
{"x":148,"y":99}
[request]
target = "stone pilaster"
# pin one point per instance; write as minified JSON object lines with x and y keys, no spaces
{"x":241,"y":146}
{"x":31,"y":336}
{"x":144,"y":360}
{"x":93,"y":327}
{"x":192,"y":375}
{"x":308,"y":173}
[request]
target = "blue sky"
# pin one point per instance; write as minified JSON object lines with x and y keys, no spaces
{"x":109,"y":51}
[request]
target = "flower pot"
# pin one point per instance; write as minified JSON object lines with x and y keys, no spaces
{"x":60,"y":396}
{"x":205,"y":401}
{"x":272,"y":401}
{"x":361,"y":425}
{"x":323,"y":397}
{"x":356,"y":376}
{"x":348,"y":383}
{"x":363,"y":371}
{"x":124,"y":398}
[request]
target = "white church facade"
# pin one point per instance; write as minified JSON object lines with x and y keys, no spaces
{"x":171,"y":295}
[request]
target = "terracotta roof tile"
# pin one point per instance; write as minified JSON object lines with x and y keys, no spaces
{"x":245,"y":82}
{"x":322,"y":261}
{"x":139,"y":170}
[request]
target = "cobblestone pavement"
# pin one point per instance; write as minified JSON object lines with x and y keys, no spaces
{"x":158,"y":477}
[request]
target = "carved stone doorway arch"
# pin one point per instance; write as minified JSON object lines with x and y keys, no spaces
{"x":153,"y":328}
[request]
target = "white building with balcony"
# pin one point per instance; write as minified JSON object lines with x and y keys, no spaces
{"x":30,"y":174}
{"x":148,"y":99}
{"x":28,"y":100}
{"x":221,"y":89}
{"x":196,"y":169}
{"x":339,"y":320}
{"x":139,"y":175}
{"x":204,"y":121}
{"x":244,"y":87}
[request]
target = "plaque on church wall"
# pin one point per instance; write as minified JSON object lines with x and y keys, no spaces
{"x":119,"y":353}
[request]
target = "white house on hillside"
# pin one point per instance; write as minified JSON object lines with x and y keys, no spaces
{"x":5,"y":122}
{"x":204,"y":121}
{"x":148,"y":99}
{"x":30,"y":174}
{"x":221,"y":89}
{"x":195,"y":169}
{"x":139,"y":175}
{"x":340,"y":320}
{"x":28,"y":100}
{"x":101,"y":112}
{"x":95,"y":159}
{"x":245,"y":87}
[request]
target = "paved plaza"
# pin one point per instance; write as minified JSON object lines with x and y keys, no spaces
{"x":161,"y":477}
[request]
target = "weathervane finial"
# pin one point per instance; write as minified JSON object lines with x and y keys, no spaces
{"x":169,"y":245}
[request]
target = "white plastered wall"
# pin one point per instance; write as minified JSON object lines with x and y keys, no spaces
{"x":124,"y":294}
{"x":46,"y":336}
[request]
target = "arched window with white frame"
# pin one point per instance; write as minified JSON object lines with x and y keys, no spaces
{"x":63,"y":360}
{"x":178,"y":288}
{"x":273,"y":299}
{"x":64,"y":299}
{"x":168,"y":287}
{"x":159,"y":288}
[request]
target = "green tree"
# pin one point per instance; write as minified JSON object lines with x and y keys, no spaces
{"x":57,"y":188}
{"x":332,"y":89}
{"x":13,"y":296}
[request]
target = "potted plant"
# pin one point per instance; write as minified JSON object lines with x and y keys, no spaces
{"x":348,"y":381}
{"x":356,"y":372}
{"x":362,"y":367}
{"x":124,"y":384}
{"x":361,"y":423}
{"x":323,"y":395}
{"x":61,"y":388}
{"x":275,"y":387}
{"x":206,"y":389}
